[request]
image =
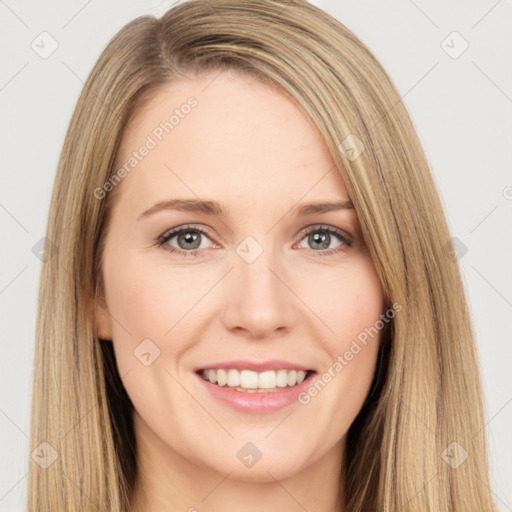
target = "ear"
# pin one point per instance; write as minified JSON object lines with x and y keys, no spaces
{"x":102,"y":320}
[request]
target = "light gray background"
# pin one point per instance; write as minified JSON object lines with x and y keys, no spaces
{"x":461,"y":107}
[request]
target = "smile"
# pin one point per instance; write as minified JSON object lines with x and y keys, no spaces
{"x":254,"y":382}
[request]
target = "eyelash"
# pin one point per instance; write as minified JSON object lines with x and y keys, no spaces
{"x":168,"y":235}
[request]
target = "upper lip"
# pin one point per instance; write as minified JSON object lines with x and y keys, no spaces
{"x":255,"y":365}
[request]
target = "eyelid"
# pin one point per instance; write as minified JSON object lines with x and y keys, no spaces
{"x":178,"y":229}
{"x":345,"y":238}
{"x":171,"y":233}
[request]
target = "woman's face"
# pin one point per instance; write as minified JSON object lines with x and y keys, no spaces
{"x":259,"y":291}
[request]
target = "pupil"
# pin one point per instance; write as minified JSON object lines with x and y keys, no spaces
{"x":322,"y":239}
{"x":187,"y":237}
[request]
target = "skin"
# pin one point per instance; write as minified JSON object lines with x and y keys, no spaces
{"x":249,"y":147}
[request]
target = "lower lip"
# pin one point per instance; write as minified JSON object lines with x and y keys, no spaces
{"x":257,"y":402}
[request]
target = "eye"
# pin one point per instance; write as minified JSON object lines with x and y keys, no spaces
{"x":318,"y":237}
{"x":188,"y":239}
{"x":321,"y":237}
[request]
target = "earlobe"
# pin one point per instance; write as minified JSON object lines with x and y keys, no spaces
{"x":102,"y":320}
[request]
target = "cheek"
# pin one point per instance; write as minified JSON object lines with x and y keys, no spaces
{"x":148,"y":300}
{"x":348,"y":304}
{"x":155,"y":302}
{"x":361,"y":325}
{"x":149,"y":304}
{"x":353,"y":312}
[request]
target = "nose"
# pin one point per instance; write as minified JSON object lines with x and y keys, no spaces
{"x":259,"y":301}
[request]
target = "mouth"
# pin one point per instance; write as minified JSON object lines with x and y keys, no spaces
{"x":255,"y":387}
{"x":250,"y":381}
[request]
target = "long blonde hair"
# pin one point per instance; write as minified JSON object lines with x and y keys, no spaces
{"x":426,"y":393}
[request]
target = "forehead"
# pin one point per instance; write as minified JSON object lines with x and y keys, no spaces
{"x":228,"y":132}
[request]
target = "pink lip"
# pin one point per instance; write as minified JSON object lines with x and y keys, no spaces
{"x":255,"y":366}
{"x":257,"y":403}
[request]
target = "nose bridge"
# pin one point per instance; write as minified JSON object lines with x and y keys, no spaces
{"x":259,"y":300}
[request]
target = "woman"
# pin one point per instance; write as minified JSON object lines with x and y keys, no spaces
{"x":316,"y":352}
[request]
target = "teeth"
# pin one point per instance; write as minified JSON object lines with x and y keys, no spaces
{"x":248,"y":380}
{"x":222,"y":377}
{"x":233,"y":378}
{"x":282,"y":378}
{"x":301,"y":375}
{"x":212,"y":376}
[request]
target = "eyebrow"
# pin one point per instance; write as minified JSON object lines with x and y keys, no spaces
{"x":217,"y":210}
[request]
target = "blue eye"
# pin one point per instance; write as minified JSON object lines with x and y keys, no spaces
{"x":322,"y":236}
{"x":189,"y":238}
{"x":187,"y":235}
